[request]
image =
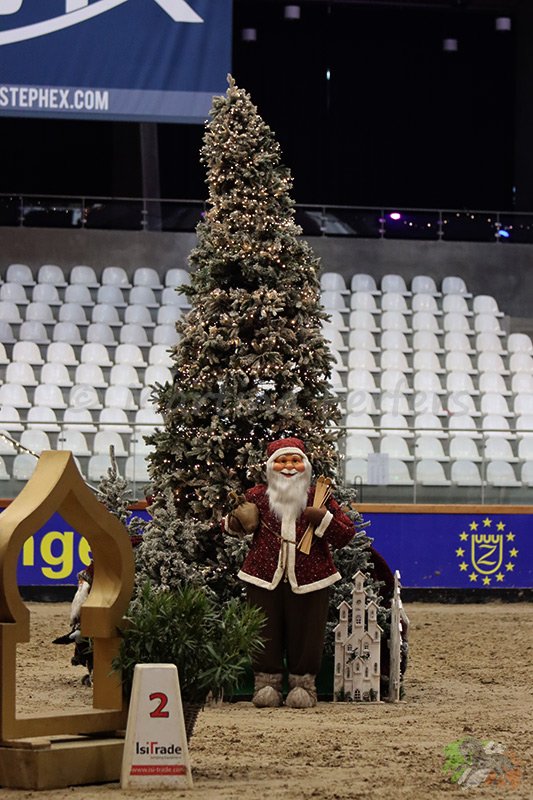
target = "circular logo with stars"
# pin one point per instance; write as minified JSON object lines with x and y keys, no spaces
{"x":487,"y":552}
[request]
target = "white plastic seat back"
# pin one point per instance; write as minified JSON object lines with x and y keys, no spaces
{"x":362,"y":340}
{"x":3,"y":355}
{"x":40,"y":312}
{"x":521,"y":362}
{"x":425,"y":303}
{"x":6,"y":333}
{"x":498,"y":449}
{"x":136,"y":469}
{"x":489,"y":342}
{"x":9,"y":312}
{"x":465,"y":473}
{"x":463,"y":447}
{"x":143,"y":296}
{"x":454,"y":285}
{"x":177,"y":277}
{"x":133,"y":334}
{"x":80,"y":419}
{"x":129,"y":354}
{"x":488,"y":323}
{"x":20,"y":372}
{"x":114,"y":419}
{"x":91,"y":373}
{"x":356,"y":470}
{"x":394,"y":403}
{"x":115,"y":276}
{"x":459,"y":361}
{"x":138,"y":315}
{"x":359,"y":401}
{"x":394,"y":359}
{"x":394,"y":283}
{"x":35,"y":440}
{"x":395,"y":447}
{"x":522,"y":383}
{"x":501,"y":473}
{"x":361,"y":282}
{"x":14,"y":293}
{"x":27,"y":351}
{"x":83,"y":395}
{"x":519,"y":343}
{"x":360,"y":424}
{"x":333,"y":281}
{"x":105,"y":313}
{"x":159,"y":354}
{"x":429,"y":424}
{"x":461,"y":403}
{"x":75,"y":441}
{"x":167,"y":335}
{"x":43,"y":418}
{"x":455,"y":303}
{"x":20,"y":273}
{"x":454,"y":322}
{"x":61,"y":353}
{"x":358,"y":446}
{"x":95,"y":353}
{"x":392,"y":301}
{"x":328,"y":299}
{"x":10,"y":419}
{"x":110,"y":295}
{"x":394,"y":340}
{"x":524,"y":425}
{"x":362,"y":359}
{"x":399,"y":474}
{"x":485,"y":304}
{"x":103,"y":440}
{"x":364,"y":301}
{"x":492,"y":382}
{"x":45,"y":293}
{"x":363,"y":321}
{"x":525,"y":448}
{"x":170,"y":297}
{"x":13,"y":394}
{"x":455,"y":341}
{"x":426,"y":381}
{"x":460,"y":382}
{"x":56,"y":374}
{"x":147,"y":276}
{"x":394,"y":382}
{"x":426,"y":340}
{"x":332,"y":335}
{"x":429,"y":447}
{"x":169,"y":315}
{"x":427,"y":403}
{"x":98,"y":466}
{"x":83,"y":275}
{"x":526,"y":473}
{"x":157,"y":374}
{"x":395,"y":424}
{"x":425,"y":321}
{"x":125,"y":375}
{"x":424,"y":284}
{"x":491,"y":362}
{"x":120,"y":397}
{"x":496,"y":425}
{"x":523,"y":404}
{"x":24,"y":466}
{"x":430,"y":472}
{"x":100,"y":332}
{"x":51,"y":273}
{"x":494,"y":403}
{"x":67,"y":332}
{"x":73,"y":312}
{"x":80,"y":294}
{"x":361,"y":379}
{"x":463,"y":425}
{"x":394,"y":321}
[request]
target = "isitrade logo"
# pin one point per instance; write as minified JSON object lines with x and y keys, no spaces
{"x":79,"y":11}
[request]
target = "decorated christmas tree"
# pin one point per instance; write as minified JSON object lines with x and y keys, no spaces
{"x":251,"y":366}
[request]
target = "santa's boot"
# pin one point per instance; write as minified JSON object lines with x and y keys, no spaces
{"x":302,"y":691}
{"x":267,"y":690}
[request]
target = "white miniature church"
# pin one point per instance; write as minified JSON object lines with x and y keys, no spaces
{"x":357,"y":647}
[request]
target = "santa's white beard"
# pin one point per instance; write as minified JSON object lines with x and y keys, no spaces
{"x":287,"y":497}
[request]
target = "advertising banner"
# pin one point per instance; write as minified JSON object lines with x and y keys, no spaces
{"x":465,"y":551}
{"x":157,"y":60}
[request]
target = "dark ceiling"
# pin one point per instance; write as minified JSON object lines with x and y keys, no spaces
{"x":507,"y":6}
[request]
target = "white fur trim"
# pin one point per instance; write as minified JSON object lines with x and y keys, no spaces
{"x":244,"y":576}
{"x":313,"y":587}
{"x":320,"y":530}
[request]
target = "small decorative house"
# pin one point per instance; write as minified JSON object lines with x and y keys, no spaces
{"x":357,"y":647}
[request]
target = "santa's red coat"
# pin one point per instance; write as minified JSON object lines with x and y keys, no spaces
{"x":274,"y":554}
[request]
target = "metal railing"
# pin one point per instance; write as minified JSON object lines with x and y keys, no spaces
{"x":175,"y":215}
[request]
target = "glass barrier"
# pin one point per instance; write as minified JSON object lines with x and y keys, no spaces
{"x":169,"y":214}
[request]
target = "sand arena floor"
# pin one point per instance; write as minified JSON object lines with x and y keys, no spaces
{"x":470,"y":674}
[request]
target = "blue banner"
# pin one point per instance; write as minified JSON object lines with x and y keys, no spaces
{"x":159,"y":60}
{"x":464,"y":551}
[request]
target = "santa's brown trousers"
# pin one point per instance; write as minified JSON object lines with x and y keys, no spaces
{"x":295,"y":628}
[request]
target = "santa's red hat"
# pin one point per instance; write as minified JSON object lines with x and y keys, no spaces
{"x":283,"y":446}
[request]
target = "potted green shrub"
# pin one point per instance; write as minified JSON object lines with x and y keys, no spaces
{"x":210,"y":643}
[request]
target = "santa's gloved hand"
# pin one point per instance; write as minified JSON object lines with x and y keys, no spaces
{"x":244,"y":518}
{"x":314,"y":516}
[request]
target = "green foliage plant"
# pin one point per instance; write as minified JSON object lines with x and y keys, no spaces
{"x":210,"y":643}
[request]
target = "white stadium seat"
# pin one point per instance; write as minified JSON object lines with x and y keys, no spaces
{"x":454,"y":285}
{"x":67,"y":332}
{"x":362,"y":282}
{"x":430,"y":472}
{"x":424,"y":284}
{"x":83,"y":276}
{"x":46,"y":293}
{"x":147,"y":276}
{"x":501,"y":473}
{"x":425,"y":321}
{"x":364,"y":301}
{"x":519,"y":343}
{"x":115,"y":276}
{"x":394,"y":283}
{"x":19,"y":273}
{"x":51,"y":273}
{"x":465,"y":473}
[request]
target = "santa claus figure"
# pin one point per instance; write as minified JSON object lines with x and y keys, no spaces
{"x":291,"y":587}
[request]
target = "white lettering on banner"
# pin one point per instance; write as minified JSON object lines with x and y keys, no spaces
{"x":77,"y":11}
{"x":49,"y":99}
